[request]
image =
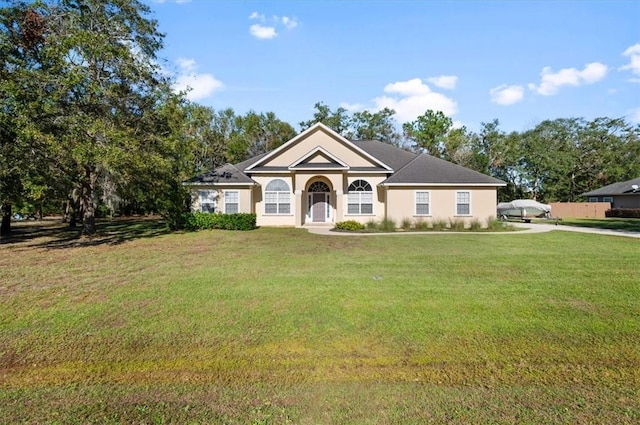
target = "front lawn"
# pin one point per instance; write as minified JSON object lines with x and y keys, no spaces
{"x":630,"y":224}
{"x":276,"y":326}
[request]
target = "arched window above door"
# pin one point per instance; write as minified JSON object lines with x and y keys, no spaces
{"x":319,"y":187}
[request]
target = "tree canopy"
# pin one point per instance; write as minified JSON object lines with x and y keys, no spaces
{"x":89,"y":120}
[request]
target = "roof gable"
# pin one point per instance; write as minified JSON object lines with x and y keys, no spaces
{"x":334,"y":146}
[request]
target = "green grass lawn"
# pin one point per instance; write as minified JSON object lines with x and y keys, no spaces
{"x":630,"y":224}
{"x":277,"y":326}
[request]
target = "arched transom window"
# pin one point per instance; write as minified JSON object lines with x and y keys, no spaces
{"x":360,"y":198}
{"x":319,"y":187}
{"x":277,"y":197}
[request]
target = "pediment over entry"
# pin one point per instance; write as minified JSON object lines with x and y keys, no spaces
{"x":319,"y":159}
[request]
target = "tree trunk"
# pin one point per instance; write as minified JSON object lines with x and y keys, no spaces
{"x":87,"y":202}
{"x":5,"y":227}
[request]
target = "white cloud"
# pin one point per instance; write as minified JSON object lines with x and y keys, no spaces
{"x":289,"y":23}
{"x":552,"y":81}
{"x":262,"y":32}
{"x":413,"y":98}
{"x":352,"y":107}
{"x":633,"y":53}
{"x":506,"y":95}
{"x":258,"y":16}
{"x":444,"y":81}
{"x":270,"y":29}
{"x":634,"y":115}
{"x":197,"y":86}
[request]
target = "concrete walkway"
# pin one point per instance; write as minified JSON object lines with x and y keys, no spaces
{"x":526,"y":228}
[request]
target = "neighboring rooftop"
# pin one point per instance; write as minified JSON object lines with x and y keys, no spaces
{"x":629,"y":187}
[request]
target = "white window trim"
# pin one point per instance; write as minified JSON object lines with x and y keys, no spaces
{"x":277,"y":213}
{"x":593,"y":199}
{"x":608,"y":199}
{"x":470,"y":210}
{"x":359,"y":193}
{"x":237,"y":192}
{"x":213,"y":194}
{"x":415,"y":203}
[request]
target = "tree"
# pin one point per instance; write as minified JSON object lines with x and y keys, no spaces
{"x":428,"y":132}
{"x":337,"y":120}
{"x":379,"y":125}
{"x":99,"y":82}
{"x":22,"y":33}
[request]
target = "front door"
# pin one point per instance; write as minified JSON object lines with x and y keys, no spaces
{"x":319,"y":207}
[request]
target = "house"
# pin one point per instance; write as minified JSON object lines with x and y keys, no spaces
{"x":621,"y":195}
{"x":321,"y":177}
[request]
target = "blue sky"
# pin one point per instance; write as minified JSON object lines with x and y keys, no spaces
{"x":519,"y":61}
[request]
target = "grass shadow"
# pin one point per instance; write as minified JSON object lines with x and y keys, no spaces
{"x":54,"y":234}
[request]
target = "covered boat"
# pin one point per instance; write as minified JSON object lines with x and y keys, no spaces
{"x":524,"y":209}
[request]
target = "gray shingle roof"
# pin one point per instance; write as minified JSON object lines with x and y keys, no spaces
{"x":409,"y":168}
{"x":620,"y":188}
{"x":394,"y":157}
{"x":426,"y":169}
{"x":228,"y":174}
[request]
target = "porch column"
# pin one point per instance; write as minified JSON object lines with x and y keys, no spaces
{"x":298,"y":208}
{"x":339,"y":206}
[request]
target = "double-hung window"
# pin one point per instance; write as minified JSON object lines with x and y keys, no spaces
{"x":231,"y":202}
{"x":463,"y":203}
{"x":360,"y":198}
{"x":207,"y":200}
{"x":422,"y":203}
{"x":277,"y":197}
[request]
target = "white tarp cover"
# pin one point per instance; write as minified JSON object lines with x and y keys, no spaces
{"x":523,"y":203}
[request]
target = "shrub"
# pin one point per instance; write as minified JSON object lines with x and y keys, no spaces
{"x":406,"y":223}
{"x":349,"y":225}
{"x":475,"y":225}
{"x":372,"y":225}
{"x":494,"y":224}
{"x":623,"y":213}
{"x":388,"y":225}
{"x":422,"y":225}
{"x":456,"y":224}
{"x":439,"y":224}
{"x":205,"y":221}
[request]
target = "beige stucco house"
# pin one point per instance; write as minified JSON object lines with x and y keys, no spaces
{"x":321,"y":177}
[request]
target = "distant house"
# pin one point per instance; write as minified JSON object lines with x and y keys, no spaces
{"x":621,"y":195}
{"x":321,"y":177}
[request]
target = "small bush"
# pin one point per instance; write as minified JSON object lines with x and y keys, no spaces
{"x":349,"y":225}
{"x":372,"y":225}
{"x":439,"y":224}
{"x":207,"y":221}
{"x":422,"y":225}
{"x":475,"y":225}
{"x":406,"y":223}
{"x":623,"y":213}
{"x":456,"y":224}
{"x":494,"y":224}
{"x":388,"y":225}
